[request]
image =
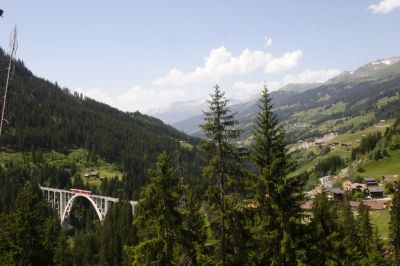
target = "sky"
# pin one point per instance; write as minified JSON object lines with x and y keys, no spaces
{"x":147,"y":55}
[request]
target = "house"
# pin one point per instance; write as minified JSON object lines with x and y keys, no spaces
{"x":86,"y":175}
{"x":313,"y":193}
{"x":347,"y":185}
{"x":375,"y":191}
{"x":358,"y":187}
{"x":370,"y":181}
{"x":388,"y":178}
{"x":94,"y":174}
{"x":334,"y":193}
{"x":374,"y":205}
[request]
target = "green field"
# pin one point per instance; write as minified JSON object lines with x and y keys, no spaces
{"x":386,"y":166}
{"x":381,"y":219}
{"x":80,"y":157}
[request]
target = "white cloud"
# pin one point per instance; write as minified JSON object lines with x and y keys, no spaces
{"x":220,"y":63}
{"x":268,"y":41}
{"x":244,"y":90}
{"x":96,"y":94}
{"x":136,"y":98}
{"x":385,"y":6}
{"x":284,"y":63}
{"x":311,"y":76}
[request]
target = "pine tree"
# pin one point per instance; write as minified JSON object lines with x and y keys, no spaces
{"x":192,"y":233}
{"x":376,"y":254}
{"x":62,"y":255}
{"x":157,"y":219}
{"x":395,"y":226}
{"x":225,"y":173}
{"x":365,"y":228}
{"x":279,"y":197}
{"x":29,"y":236}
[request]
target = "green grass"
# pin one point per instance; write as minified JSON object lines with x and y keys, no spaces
{"x":314,"y":113}
{"x":80,"y":157}
{"x":386,"y":166}
{"x":186,"y":145}
{"x":381,"y":220}
{"x":385,"y":100}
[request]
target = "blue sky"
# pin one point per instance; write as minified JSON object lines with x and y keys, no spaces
{"x":148,"y":54}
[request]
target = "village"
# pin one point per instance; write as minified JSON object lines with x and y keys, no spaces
{"x":369,"y":191}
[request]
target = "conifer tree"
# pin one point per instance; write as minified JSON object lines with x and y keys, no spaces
{"x":279,"y":197}
{"x":224,"y":171}
{"x":157,"y":219}
{"x":395,"y":226}
{"x":192,"y":233}
{"x":365,"y":228}
{"x":62,"y":256}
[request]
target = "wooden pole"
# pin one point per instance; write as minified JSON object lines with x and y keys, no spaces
{"x":13,"y":48}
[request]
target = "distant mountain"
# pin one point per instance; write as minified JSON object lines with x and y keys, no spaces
{"x":180,"y":110}
{"x":372,"y":89}
{"x":300,"y":87}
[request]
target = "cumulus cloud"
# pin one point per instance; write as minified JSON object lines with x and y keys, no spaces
{"x":268,"y":41}
{"x":244,"y":90}
{"x":311,"y":76}
{"x":96,"y":94}
{"x":221,"y":63}
{"x":136,"y":98}
{"x":284,"y":63}
{"x":384,"y":6}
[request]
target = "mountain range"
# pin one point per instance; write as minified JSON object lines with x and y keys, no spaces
{"x":349,"y":94}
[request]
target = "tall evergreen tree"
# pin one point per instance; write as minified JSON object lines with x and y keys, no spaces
{"x":157,"y":219}
{"x":395,"y":226}
{"x":224,"y":171}
{"x":192,"y":233}
{"x":29,"y":232}
{"x":278,"y":196}
{"x":115,"y":232}
{"x":62,"y":255}
{"x":365,"y":228}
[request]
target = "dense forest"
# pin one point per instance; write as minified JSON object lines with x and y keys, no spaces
{"x":239,"y":207}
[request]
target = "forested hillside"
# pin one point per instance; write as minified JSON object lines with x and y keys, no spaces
{"x":43,"y":116}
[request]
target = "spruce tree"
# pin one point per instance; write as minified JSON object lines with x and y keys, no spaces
{"x":278,"y":196}
{"x":395,"y":226}
{"x":192,"y":233}
{"x":224,"y":171}
{"x":157,"y":219}
{"x":364,"y":228}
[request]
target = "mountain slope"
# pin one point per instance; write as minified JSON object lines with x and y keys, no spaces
{"x":348,"y":95}
{"x":41,"y":115}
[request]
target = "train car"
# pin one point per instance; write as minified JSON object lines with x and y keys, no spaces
{"x":80,"y":191}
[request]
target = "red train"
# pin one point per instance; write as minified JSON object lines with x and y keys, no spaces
{"x":80,"y":191}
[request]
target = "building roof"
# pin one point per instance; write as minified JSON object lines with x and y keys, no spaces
{"x":375,"y":189}
{"x":334,"y":190}
{"x":388,"y":178}
{"x":369,"y":179}
{"x":307,"y":205}
{"x":374,"y":205}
